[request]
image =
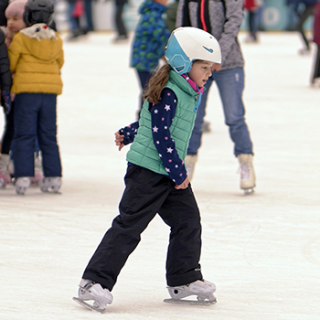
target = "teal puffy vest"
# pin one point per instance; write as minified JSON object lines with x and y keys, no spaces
{"x":143,"y":151}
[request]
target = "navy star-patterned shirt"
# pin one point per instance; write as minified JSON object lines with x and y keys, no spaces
{"x":162,"y":115}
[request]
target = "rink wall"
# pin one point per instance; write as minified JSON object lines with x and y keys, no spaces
{"x":275,"y":15}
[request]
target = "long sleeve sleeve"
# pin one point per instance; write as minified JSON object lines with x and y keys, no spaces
{"x":162,"y":115}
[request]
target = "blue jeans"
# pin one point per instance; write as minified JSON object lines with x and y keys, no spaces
{"x":35,"y":115}
{"x":74,"y":24}
{"x":230,"y":83}
{"x":88,"y":13}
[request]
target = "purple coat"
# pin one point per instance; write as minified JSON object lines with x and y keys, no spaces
{"x":316,"y":24}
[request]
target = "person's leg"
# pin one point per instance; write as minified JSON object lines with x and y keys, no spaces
{"x":181,"y":213}
{"x":143,"y":196}
{"x":47,"y":135}
{"x":88,"y":13}
{"x":252,"y":24}
{"x":121,"y":29}
{"x":25,"y":132}
{"x":230,"y":83}
{"x":74,"y":25}
{"x":6,"y":142}
{"x":8,"y":132}
{"x":308,"y":12}
{"x":317,"y":73}
{"x":195,"y":140}
{"x":316,"y":68}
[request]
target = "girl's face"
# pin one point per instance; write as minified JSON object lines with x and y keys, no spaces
{"x":15,"y":24}
{"x":200,"y":72}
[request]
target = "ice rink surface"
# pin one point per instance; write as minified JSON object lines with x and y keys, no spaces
{"x":262,"y":251}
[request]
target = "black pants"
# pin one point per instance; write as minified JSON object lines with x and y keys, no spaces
{"x":121,"y":29}
{"x":316,"y":68}
{"x":145,"y":195}
{"x":308,"y":12}
{"x":8,"y":132}
{"x":253,"y":25}
{"x":35,"y":116}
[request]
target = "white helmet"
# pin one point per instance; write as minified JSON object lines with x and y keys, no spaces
{"x":187,"y":44}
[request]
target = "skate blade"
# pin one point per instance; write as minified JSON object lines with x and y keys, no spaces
{"x":191,"y":302}
{"x":87,"y":305}
{"x":248,"y":192}
{"x":50,"y":191}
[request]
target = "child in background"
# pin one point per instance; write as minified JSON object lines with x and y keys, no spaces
{"x":5,"y":87}
{"x":13,"y":14}
{"x":36,"y":58}
{"x":150,"y":38}
{"x":253,"y":7}
{"x":15,"y":23}
{"x":156,"y":179}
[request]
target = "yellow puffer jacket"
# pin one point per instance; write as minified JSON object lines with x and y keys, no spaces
{"x":36,"y":57}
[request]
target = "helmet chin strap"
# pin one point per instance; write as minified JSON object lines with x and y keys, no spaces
{"x":196,"y":89}
{"x":195,"y":109}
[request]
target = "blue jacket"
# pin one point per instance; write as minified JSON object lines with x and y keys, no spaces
{"x":150,"y":38}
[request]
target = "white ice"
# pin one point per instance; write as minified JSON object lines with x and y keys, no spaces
{"x":262,"y":251}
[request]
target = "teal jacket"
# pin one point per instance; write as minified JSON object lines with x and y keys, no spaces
{"x":143,"y":151}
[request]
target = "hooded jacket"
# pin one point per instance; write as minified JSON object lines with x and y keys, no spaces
{"x":36,"y":57}
{"x":150,"y":38}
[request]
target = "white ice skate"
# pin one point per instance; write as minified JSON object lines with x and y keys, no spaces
{"x":247,"y":175}
{"x":22,"y":184}
{"x":202,"y":289}
{"x":5,"y":177}
{"x":50,"y":184}
{"x":90,"y":291}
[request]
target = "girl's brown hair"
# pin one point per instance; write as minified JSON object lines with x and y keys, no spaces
{"x":158,"y":81}
{"x":156,"y":84}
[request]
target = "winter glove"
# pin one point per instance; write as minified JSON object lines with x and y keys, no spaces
{"x":6,"y":100}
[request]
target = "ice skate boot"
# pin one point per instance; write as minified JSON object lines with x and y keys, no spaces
{"x":190,"y":161}
{"x":5,"y":177}
{"x":247,"y":175}
{"x":50,"y":184}
{"x":90,"y":291}
{"x":201,"y":288}
{"x":38,"y":173}
{"x":22,"y":183}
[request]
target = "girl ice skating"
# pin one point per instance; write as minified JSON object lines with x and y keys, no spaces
{"x":156,"y":179}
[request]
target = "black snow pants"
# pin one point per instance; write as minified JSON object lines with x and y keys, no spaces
{"x":146,"y":194}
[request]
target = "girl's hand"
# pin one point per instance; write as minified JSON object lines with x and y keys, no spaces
{"x":184,"y":184}
{"x":119,"y":140}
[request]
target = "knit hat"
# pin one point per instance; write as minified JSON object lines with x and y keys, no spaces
{"x":16,"y":8}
